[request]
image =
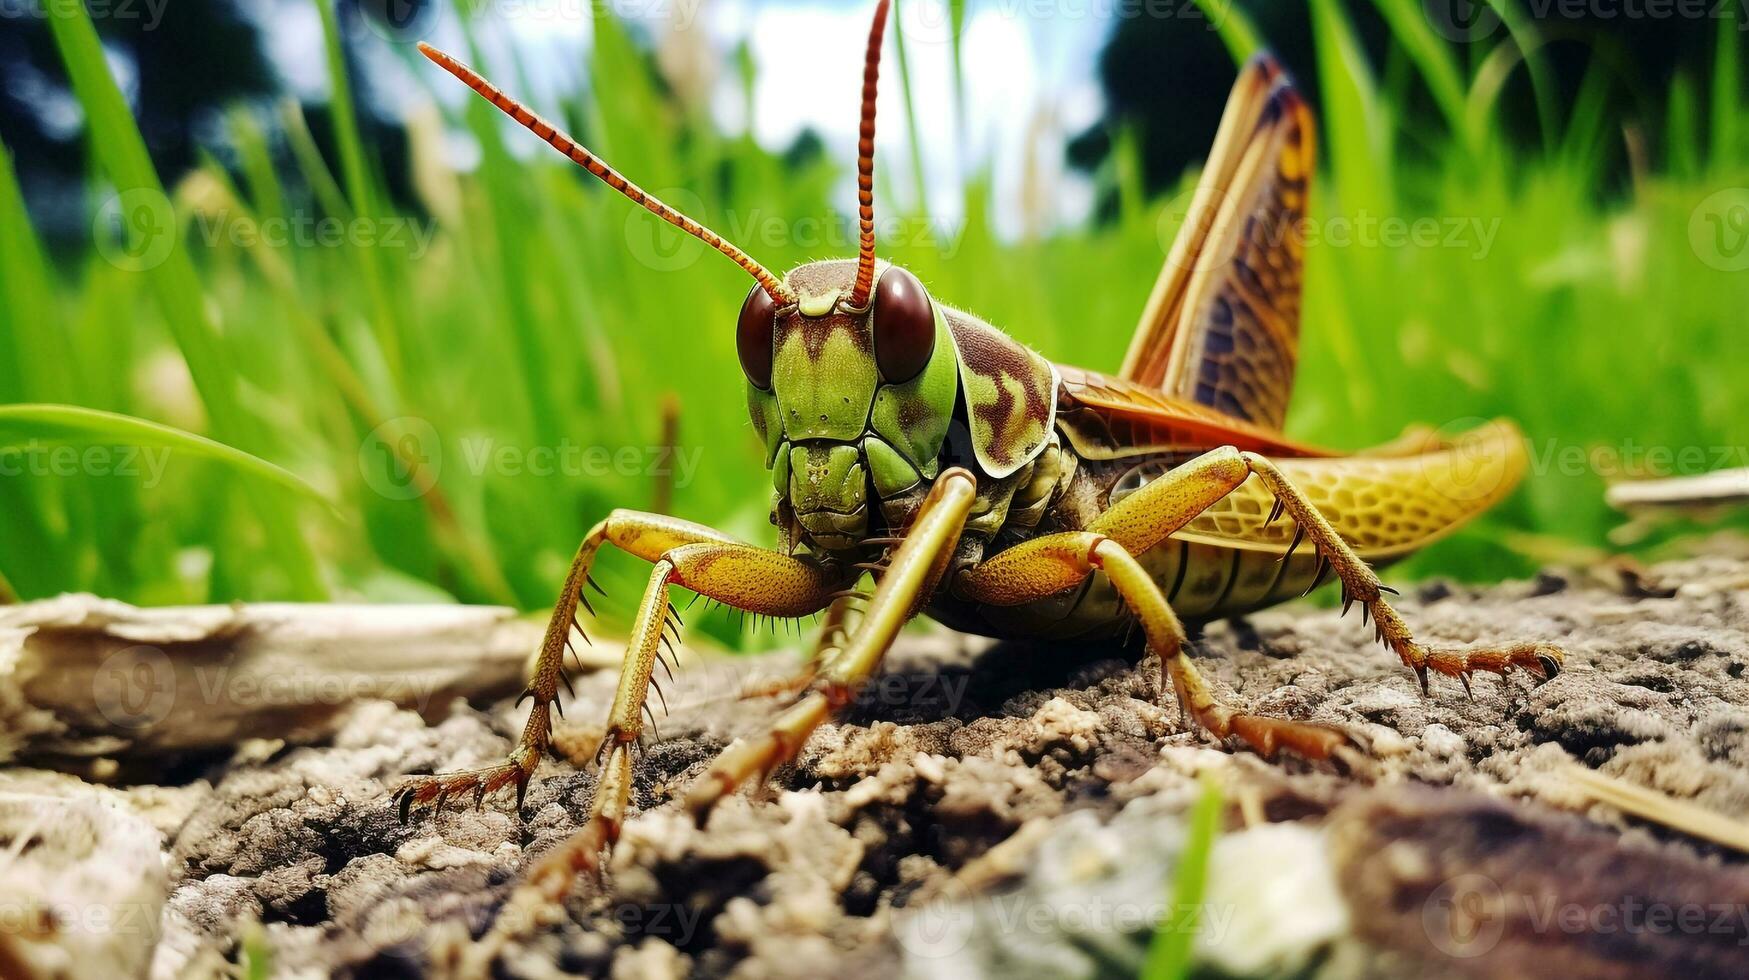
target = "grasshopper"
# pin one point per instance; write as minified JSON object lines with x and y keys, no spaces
{"x":1010,"y":496}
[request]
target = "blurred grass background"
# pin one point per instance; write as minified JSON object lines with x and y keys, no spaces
{"x":548,"y":312}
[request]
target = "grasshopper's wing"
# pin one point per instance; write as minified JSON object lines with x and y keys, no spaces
{"x":1222,"y":325}
{"x":1107,"y":417}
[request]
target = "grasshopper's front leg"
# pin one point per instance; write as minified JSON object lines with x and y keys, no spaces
{"x":691,"y":555}
{"x":846,"y":662}
{"x":911,"y":577}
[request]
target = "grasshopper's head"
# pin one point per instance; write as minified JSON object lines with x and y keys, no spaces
{"x":851,"y":366}
{"x":851,"y":399}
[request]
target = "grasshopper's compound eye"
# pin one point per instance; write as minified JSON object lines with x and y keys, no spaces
{"x":753,"y":337}
{"x":904,"y":326}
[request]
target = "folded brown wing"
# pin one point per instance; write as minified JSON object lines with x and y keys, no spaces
{"x":1107,"y":417}
{"x":1221,"y":327}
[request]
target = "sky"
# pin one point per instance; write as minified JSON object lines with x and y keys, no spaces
{"x":1027,"y":64}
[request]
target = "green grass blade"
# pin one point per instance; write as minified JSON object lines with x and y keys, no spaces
{"x":71,"y":425}
{"x":311,"y":166}
{"x":32,"y":335}
{"x":1234,"y":27}
{"x":1727,"y":81}
{"x":1170,"y":951}
{"x":1520,"y":27}
{"x":360,"y":190}
{"x":920,"y":184}
{"x":8,"y":595}
{"x":121,"y":151}
{"x":1357,"y":124}
{"x":1681,"y":138}
{"x":1414,"y":32}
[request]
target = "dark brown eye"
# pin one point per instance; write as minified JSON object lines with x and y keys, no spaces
{"x":904,"y":326}
{"x":753,"y":337}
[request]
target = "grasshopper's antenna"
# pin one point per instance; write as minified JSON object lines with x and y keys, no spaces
{"x":779,"y":293}
{"x":871,"y":72}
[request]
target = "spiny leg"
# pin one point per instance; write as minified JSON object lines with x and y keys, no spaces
{"x":737,"y":575}
{"x":1047,"y":565}
{"x":648,"y":536}
{"x":1361,"y":584}
{"x":1147,"y":517}
{"x":836,"y":625}
{"x":916,"y":568}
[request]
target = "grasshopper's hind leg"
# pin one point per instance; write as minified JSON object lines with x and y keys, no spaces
{"x":1360,"y":584}
{"x":1147,"y":517}
{"x":692,"y":555}
{"x":1047,"y":565}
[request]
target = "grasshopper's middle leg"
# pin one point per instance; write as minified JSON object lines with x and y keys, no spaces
{"x":691,"y":555}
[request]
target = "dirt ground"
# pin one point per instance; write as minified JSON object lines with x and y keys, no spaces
{"x":1019,"y":811}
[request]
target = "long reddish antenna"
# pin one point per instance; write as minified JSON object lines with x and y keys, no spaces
{"x":780,"y":294}
{"x":871,"y":76}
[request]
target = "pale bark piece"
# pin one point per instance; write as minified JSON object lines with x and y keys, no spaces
{"x":88,"y":678}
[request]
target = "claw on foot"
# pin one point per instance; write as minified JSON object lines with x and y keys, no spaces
{"x":438,"y":789}
{"x":1541,"y":660}
{"x":1311,"y":741}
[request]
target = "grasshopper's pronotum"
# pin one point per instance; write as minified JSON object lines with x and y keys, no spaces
{"x":1006,"y":495}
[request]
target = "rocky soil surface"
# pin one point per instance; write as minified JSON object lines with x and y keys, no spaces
{"x":1001,"y":810}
